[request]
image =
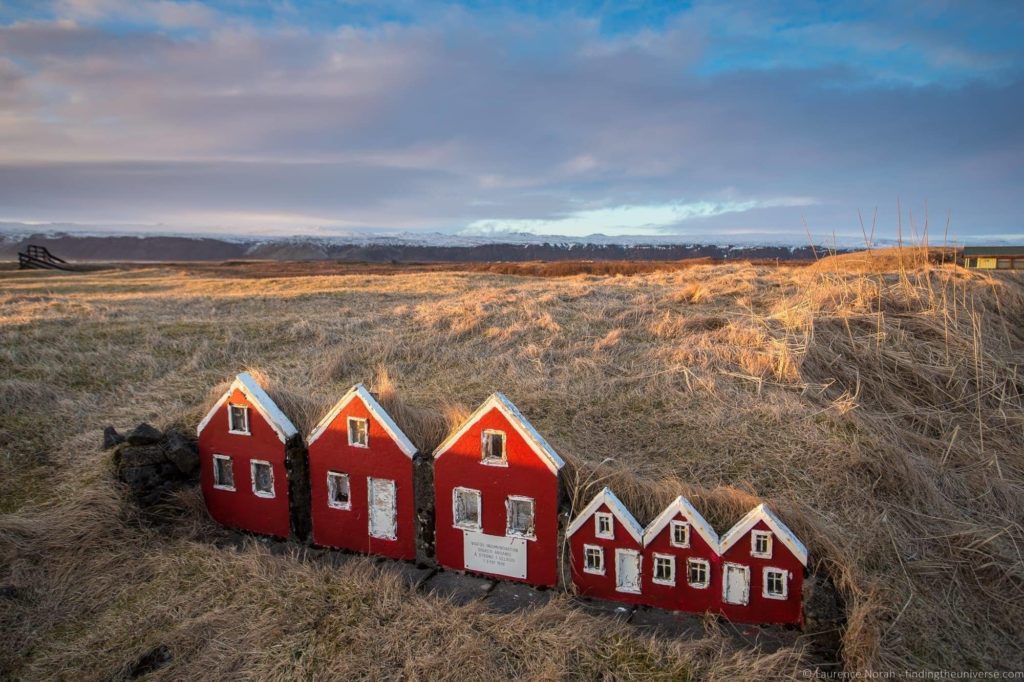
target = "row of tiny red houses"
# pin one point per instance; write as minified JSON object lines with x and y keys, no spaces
{"x":496,"y":505}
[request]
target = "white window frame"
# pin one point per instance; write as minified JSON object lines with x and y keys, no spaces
{"x":706,"y":565}
{"x":366,"y":430}
{"x":479,"y":509}
{"x":494,"y":461}
{"x":672,"y":533}
{"x":221,"y":486}
{"x":671,"y":580}
{"x":754,"y":535}
{"x":725,"y":583}
{"x":639,"y":571}
{"x":330,"y":498}
{"x":586,"y":566}
{"x":231,"y":422}
{"x":598,"y":533}
{"x":253,"y":463}
{"x":764,"y":583}
{"x":532,"y":535}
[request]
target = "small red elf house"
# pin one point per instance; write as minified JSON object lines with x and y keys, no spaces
{"x":361,"y":479}
{"x":496,"y":487}
{"x":244,"y":443}
{"x":606,"y":550}
{"x":681,"y":557}
{"x":762,"y":570}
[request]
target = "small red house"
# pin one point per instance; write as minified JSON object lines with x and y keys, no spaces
{"x":243,"y":444}
{"x":606,"y":550}
{"x":361,"y":479}
{"x":496,"y":487}
{"x":762,"y":570}
{"x":683,"y":567}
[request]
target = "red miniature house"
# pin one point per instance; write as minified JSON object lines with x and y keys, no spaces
{"x":681,"y":555}
{"x":361,"y":479}
{"x":496,"y":487}
{"x":243,"y":444}
{"x":762,"y":570}
{"x":606,"y":550}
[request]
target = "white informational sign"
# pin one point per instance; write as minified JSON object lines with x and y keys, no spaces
{"x":495,"y":554}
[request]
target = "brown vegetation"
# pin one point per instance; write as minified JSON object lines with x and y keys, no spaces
{"x":878,"y":408}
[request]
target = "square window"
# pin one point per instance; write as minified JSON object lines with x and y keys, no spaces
{"x":338,"y":495}
{"x":238,"y":419}
{"x":520,"y":517}
{"x":603,"y":526}
{"x":680,"y":534}
{"x":262,"y":478}
{"x":466,"y":502}
{"x":775,"y":583}
{"x":492,"y":446}
{"x":358,"y":433}
{"x":761,"y":544}
{"x":697,"y":573}
{"x":593,"y":559}
{"x":664,"y":569}
{"x":223,"y":473}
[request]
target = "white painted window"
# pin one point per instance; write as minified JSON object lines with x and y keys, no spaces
{"x":736,"y":584}
{"x":761,"y":544}
{"x":664,"y":569}
{"x":223,"y":473}
{"x":680,"y":534}
{"x":466,"y":503}
{"x":627,"y":571}
{"x":358,"y":433}
{"x":383,"y":508}
{"x":604,"y":528}
{"x":492,"y":447}
{"x":238,"y":419}
{"x":519,"y":517}
{"x":593,"y":559}
{"x":262,"y":478}
{"x":338,"y":492}
{"x":698,"y":572}
{"x":775,"y":584}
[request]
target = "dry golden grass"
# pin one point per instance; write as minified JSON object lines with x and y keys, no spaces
{"x":879,"y":411}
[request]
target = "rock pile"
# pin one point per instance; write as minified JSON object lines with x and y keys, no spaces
{"x":152,"y":463}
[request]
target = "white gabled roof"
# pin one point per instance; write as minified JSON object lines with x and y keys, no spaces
{"x":681,"y":505}
{"x":245,"y":383}
{"x":762,"y":513}
{"x":608,"y":498}
{"x":518,"y":421}
{"x":375,"y":409}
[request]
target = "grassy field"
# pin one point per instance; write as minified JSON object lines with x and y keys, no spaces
{"x":874,"y":401}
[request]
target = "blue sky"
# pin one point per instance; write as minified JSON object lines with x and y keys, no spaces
{"x":725,"y":119}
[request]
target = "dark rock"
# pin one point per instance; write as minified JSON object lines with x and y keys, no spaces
{"x":296,"y":466}
{"x":512,"y":597}
{"x":423,"y":493}
{"x":144,"y":434}
{"x":668,"y":623}
{"x":602,"y":607}
{"x":458,"y":587}
{"x":140,"y":477}
{"x":151,"y":661}
{"x":111,"y":438}
{"x":140,"y":455}
{"x":8,"y":592}
{"x":411,"y":574}
{"x":182,"y":453}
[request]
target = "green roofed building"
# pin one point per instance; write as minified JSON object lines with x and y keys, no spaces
{"x":993,"y":257}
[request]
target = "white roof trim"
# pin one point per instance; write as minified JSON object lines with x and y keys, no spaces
{"x":245,"y":383}
{"x":678,"y":506}
{"x":518,"y":421}
{"x":607,"y":497}
{"x":762,"y":513}
{"x":375,"y":409}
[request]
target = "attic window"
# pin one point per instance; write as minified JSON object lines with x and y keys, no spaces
{"x":697,"y":573}
{"x":492,"y":446}
{"x":358,"y":435}
{"x":262,"y":478}
{"x":223,"y":473}
{"x":338,"y":496}
{"x":761,"y":544}
{"x":593,"y":559}
{"x":664,"y":569}
{"x":466,"y":504}
{"x":680,"y":534}
{"x":238,"y":419}
{"x":520,"y":517}
{"x":775,"y":584}
{"x":603,"y":527}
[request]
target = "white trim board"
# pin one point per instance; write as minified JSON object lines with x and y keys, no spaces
{"x":259,"y":399}
{"x":762,"y":513}
{"x":698,"y":523}
{"x":375,"y":409}
{"x":519,"y":422}
{"x":607,"y":498}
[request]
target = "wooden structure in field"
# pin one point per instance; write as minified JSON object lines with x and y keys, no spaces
{"x":39,"y":258}
{"x":993,"y":257}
